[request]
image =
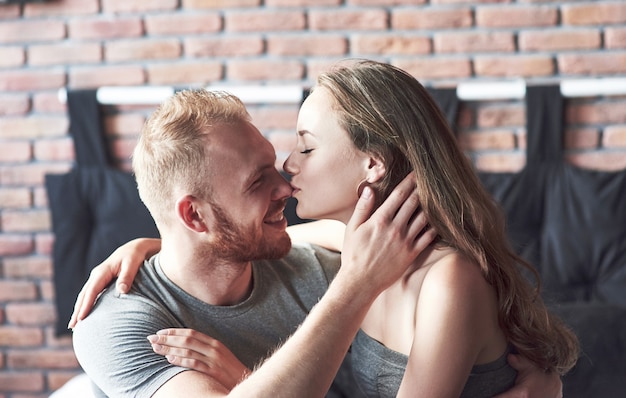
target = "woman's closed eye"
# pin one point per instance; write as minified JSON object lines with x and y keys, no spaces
{"x":304,"y":152}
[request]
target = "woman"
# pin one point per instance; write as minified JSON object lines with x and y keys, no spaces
{"x":465,"y":300}
{"x":446,"y":327}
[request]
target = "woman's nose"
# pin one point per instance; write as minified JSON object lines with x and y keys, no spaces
{"x":289,"y":165}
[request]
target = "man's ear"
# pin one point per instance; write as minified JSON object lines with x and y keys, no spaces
{"x":191,"y":214}
{"x":376,"y":170}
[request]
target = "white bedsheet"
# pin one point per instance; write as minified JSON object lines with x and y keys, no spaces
{"x":77,"y":386}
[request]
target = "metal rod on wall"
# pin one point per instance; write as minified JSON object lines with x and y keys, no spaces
{"x":516,"y":89}
{"x":290,"y":94}
{"x":149,"y":95}
{"x":573,"y":88}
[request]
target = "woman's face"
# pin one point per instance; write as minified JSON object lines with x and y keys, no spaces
{"x":326,"y":167}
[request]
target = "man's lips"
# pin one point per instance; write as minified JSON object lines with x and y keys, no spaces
{"x":276,"y":218}
{"x":278,"y":215}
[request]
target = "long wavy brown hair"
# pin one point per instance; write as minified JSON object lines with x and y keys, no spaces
{"x":389,"y":114}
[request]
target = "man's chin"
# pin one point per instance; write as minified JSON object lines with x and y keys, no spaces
{"x":280,"y":249}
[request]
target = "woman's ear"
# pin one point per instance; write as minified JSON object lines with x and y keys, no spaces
{"x":190,"y":214}
{"x":376,"y":170}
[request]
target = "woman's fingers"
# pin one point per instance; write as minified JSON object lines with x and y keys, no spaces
{"x":98,"y":280}
{"x":123,"y":263}
{"x":197,"y":351}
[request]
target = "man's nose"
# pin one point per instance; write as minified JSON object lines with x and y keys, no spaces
{"x":283,"y":189}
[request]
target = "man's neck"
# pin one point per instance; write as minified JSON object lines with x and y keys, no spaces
{"x":213,"y":281}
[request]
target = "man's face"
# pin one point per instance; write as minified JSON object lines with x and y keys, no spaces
{"x":249,"y":196}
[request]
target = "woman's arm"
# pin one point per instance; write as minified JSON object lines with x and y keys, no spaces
{"x":454,"y":323}
{"x":194,"y":350}
{"x":123,"y":263}
{"x":326,"y":233}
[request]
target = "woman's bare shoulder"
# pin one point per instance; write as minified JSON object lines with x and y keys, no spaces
{"x":457,"y":274}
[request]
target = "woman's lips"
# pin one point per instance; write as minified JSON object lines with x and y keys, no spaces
{"x":294,"y":190}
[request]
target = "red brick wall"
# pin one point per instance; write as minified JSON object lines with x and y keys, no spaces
{"x":90,"y":43}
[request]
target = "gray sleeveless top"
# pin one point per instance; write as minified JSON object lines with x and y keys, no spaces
{"x":379,"y":371}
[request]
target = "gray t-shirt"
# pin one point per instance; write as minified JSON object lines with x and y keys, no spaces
{"x":111,"y":343}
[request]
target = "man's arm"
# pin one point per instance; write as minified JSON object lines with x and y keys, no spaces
{"x":191,"y":384}
{"x":112,"y":348}
{"x":532,"y":381}
{"x":308,"y":361}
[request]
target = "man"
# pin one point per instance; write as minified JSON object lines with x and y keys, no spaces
{"x":226,"y":266}
{"x":207,"y":176}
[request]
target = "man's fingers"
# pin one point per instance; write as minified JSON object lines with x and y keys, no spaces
{"x":425,"y":239}
{"x":409,"y":212}
{"x":398,"y":203}
{"x":519,"y":362}
{"x":363,"y":209}
{"x":419,"y":228}
{"x":418,"y":222}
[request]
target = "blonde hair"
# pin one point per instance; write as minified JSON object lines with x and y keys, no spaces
{"x":389,"y":114}
{"x":170,"y":153}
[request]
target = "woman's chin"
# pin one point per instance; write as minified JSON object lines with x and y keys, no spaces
{"x":313,"y":215}
{"x":306,"y":214}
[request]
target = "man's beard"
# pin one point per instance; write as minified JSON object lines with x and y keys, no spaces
{"x":237,"y":244}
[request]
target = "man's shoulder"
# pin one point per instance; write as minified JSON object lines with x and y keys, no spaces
{"x":302,"y":251}
{"x":302,"y":247}
{"x":147,"y":298}
{"x":116,"y":330}
{"x":308,"y":259}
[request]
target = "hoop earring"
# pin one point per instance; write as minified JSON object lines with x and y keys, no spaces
{"x":361,"y":187}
